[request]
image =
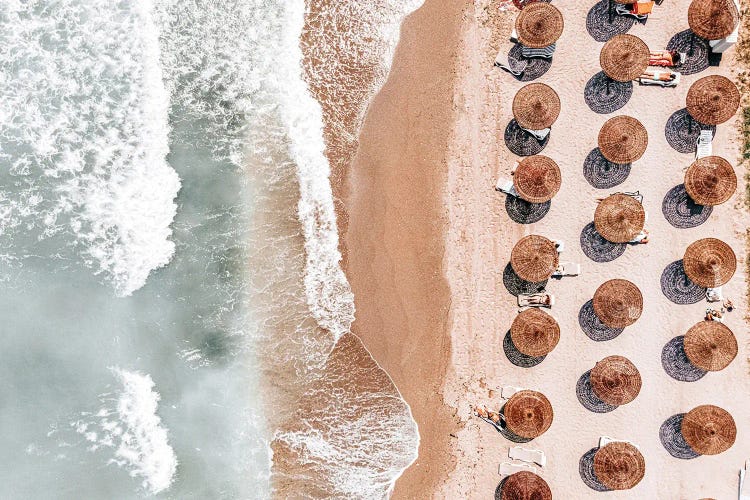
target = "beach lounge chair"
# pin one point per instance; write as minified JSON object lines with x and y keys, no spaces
{"x":744,"y":485}
{"x":640,"y":239}
{"x":567,"y":269}
{"x":528,"y":455}
{"x":507,"y":468}
{"x":505,"y":185}
{"x":636,"y":195}
{"x":703,"y":146}
{"x":667,"y":58}
{"x":714,"y":294}
{"x":502,"y":62}
{"x":539,"y":135}
{"x":542,"y":299}
{"x":559,"y":246}
{"x":508,"y":391}
{"x":663,"y":78}
{"x":498,"y":426}
{"x":544,"y":52}
{"x":638,"y":10}
{"x":605,"y":440}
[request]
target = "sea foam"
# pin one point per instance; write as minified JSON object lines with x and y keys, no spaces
{"x":84,"y":134}
{"x":127,"y":424}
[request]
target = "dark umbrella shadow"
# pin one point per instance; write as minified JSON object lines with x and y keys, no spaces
{"x":597,"y":248}
{"x":676,"y":363}
{"x":682,"y":131}
{"x":681,"y":211}
{"x":508,"y":434}
{"x":677,"y":287}
{"x":517,"y":357}
{"x":586,"y":470}
{"x":604,"y":99}
{"x":517,"y":286}
{"x":592,"y":325}
{"x":598,"y":25}
{"x":696,"y":61}
{"x":671,"y":438}
{"x":534,"y":67}
{"x":522,"y":143}
{"x":588,"y":398}
{"x":602,"y":173}
{"x":499,"y":489}
{"x":524,"y":212}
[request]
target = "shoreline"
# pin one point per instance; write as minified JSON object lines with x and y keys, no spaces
{"x":393,"y":242}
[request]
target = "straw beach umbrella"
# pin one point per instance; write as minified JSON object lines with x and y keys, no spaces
{"x":709,"y":263}
{"x":619,"y":218}
{"x":618,"y":303}
{"x":624,"y":58}
{"x":536,"y":106}
{"x":537,"y":178}
{"x":525,"y":485}
{"x":528,"y":414}
{"x":710,"y":345}
{"x":713,"y":19}
{"x":713,"y":100}
{"x":623,"y":139}
{"x":709,"y":430}
{"x":619,"y":465}
{"x":710,"y":181}
{"x":534,"y":332}
{"x":539,"y":25}
{"x":615,"y":380}
{"x":534,"y":258}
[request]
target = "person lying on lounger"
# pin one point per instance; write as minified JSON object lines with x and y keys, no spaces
{"x":667,"y":58}
{"x":661,"y":76}
{"x":713,"y":315}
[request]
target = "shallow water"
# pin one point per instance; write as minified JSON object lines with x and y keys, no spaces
{"x":168,"y":255}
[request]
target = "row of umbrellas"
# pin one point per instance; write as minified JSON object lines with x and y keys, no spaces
{"x":708,"y":262}
{"x":619,"y":218}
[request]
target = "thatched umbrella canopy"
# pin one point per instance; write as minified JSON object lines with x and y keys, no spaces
{"x":624,"y":58}
{"x":709,"y":430}
{"x":623,"y":139}
{"x":615,"y":380}
{"x":710,"y":181}
{"x":619,"y":465}
{"x":534,"y":258}
{"x":539,"y":25}
{"x":710,"y":345}
{"x":536,"y":106}
{"x":712,"y":100}
{"x":525,"y":485}
{"x":713,"y":19}
{"x":534,"y":332}
{"x":619,"y":218}
{"x":537,"y":178}
{"x":709,"y":263}
{"x":618,"y":303}
{"x":528,"y":414}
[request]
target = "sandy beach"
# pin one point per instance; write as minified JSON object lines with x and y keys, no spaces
{"x":428,"y":240}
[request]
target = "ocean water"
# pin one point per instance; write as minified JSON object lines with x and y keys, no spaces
{"x":175,"y":316}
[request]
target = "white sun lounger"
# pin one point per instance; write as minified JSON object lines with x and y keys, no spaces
{"x":640,"y":237}
{"x":623,"y":10}
{"x":559,"y":246}
{"x":605,"y":440}
{"x":507,"y":468}
{"x":567,"y":269}
{"x":528,"y":455}
{"x":703,"y":146}
{"x":539,"y":135}
{"x":662,"y":83}
{"x":533,"y":300}
{"x":502,"y":62}
{"x":714,"y":294}
{"x":505,"y":185}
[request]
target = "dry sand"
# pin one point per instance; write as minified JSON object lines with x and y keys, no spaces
{"x":428,"y":239}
